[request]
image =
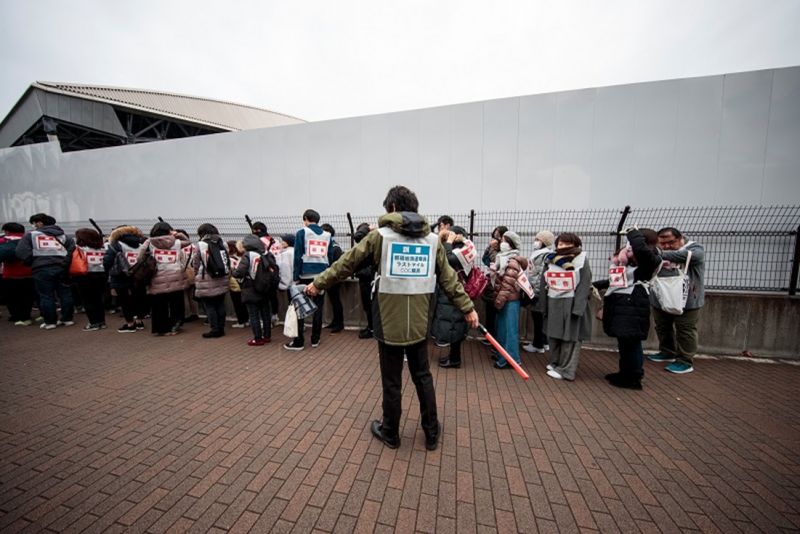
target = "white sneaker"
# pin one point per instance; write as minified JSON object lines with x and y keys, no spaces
{"x":26,"y":322}
{"x":46,"y":326}
{"x":39,"y":319}
{"x":238,"y":325}
{"x":554,"y":374}
{"x":529,"y":347}
{"x":550,"y":367}
{"x":274,"y":319}
{"x":65,"y":323}
{"x":546,"y":348}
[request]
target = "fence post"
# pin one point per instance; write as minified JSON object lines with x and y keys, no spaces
{"x":471,"y":225}
{"x":795,"y":264}
{"x":624,"y":216}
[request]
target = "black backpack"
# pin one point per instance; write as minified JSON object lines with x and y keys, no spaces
{"x":267,"y":274}
{"x":120,"y":267}
{"x":217,"y":264}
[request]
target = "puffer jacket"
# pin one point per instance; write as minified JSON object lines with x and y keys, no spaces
{"x":399,"y":320}
{"x":205,"y":284}
{"x":628,"y":316}
{"x":131,"y":236}
{"x":251,"y":243}
{"x":506,"y":289}
{"x":25,"y":250}
{"x":449,"y":324}
{"x":165,"y":280}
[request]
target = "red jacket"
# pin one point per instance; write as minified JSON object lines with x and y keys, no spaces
{"x":12,"y":267}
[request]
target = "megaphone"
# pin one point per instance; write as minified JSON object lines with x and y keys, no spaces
{"x":303,"y":304}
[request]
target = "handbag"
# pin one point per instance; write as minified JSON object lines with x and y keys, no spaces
{"x":474,"y":284}
{"x":143,"y":271}
{"x":671,"y":292}
{"x":79,"y":265}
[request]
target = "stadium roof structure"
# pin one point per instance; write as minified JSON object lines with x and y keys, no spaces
{"x":82,"y":117}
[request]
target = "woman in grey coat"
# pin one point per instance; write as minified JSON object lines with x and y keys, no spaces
{"x":211,"y":290}
{"x":566,"y":288}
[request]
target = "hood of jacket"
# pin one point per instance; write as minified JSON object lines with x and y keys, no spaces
{"x":406,"y":223}
{"x":52,"y":230}
{"x":124,"y":234}
{"x":211,"y":238}
{"x":163,"y":241}
{"x":253,"y":243}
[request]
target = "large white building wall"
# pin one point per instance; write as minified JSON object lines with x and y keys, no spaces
{"x":717,"y":140}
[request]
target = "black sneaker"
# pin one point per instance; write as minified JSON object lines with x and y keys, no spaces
{"x":377,"y":430}
{"x":213,"y":334}
{"x":449,"y":364}
{"x":431,"y":442}
{"x":365,"y":333}
{"x":126,"y":328}
{"x":292,"y":346}
{"x":91,"y":327}
{"x":139,"y":325}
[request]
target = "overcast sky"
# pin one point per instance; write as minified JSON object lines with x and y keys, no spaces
{"x":327,"y":59}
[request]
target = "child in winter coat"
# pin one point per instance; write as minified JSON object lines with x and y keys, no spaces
{"x":566,"y":287}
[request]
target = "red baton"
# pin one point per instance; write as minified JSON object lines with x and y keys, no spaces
{"x":520,"y":371}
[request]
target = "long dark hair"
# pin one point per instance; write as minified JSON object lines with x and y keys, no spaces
{"x":160,"y":228}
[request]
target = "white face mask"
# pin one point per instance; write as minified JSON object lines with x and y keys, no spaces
{"x":504,"y":247}
{"x":537,"y":245}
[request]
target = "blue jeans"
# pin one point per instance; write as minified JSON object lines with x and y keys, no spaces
{"x":508,"y":330}
{"x":259,"y":313}
{"x":48,"y":282}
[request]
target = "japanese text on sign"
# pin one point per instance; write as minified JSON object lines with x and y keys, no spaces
{"x":560,"y":281}
{"x":409,"y":260}
{"x":46,"y":242}
{"x":617,"y":277}
{"x":317,"y":248}
{"x":165,"y":256}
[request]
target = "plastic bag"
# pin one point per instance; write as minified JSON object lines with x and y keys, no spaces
{"x":290,"y":322}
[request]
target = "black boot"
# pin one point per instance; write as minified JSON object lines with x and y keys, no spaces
{"x":626,"y":381}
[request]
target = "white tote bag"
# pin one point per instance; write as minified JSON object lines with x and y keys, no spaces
{"x":671,"y":292}
{"x":290,"y":322}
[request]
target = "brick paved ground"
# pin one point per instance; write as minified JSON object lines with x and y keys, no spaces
{"x":109,"y":432}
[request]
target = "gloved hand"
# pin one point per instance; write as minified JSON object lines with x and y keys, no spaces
{"x":629,"y":229}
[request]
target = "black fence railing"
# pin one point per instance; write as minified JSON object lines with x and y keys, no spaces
{"x":748,"y":248}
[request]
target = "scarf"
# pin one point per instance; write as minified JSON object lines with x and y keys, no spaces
{"x":501,"y":260}
{"x":563,"y":258}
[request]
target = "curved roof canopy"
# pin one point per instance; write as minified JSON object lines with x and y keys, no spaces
{"x":91,"y":116}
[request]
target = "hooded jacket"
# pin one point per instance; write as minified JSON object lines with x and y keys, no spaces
{"x":166,"y":281}
{"x":131,"y":236}
{"x":251,"y":243}
{"x":399,"y":319}
{"x":25,"y":250}
{"x":205,"y":284}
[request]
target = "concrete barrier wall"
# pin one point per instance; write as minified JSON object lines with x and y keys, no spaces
{"x":730,"y":323}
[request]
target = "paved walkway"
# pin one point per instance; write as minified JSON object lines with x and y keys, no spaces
{"x":109,"y":432}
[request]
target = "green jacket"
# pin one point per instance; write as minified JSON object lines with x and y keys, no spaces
{"x":398,"y":319}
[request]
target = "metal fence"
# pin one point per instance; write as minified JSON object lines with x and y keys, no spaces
{"x":748,"y":248}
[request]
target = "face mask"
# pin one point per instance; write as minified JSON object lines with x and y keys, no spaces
{"x":537,"y":245}
{"x":504,"y":247}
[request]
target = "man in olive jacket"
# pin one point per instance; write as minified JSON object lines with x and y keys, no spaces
{"x":410,"y":261}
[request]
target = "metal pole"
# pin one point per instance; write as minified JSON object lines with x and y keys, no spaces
{"x":471,"y":225}
{"x":795,"y":264}
{"x":624,"y":216}
{"x":352,"y":230}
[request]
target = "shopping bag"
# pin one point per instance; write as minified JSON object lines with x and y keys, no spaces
{"x":290,"y":322}
{"x":671,"y":292}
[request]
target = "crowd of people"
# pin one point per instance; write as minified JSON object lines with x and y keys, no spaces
{"x":170,"y":278}
{"x":415,"y":281}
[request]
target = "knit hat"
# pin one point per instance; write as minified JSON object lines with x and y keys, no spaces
{"x":513,"y":238}
{"x":546,"y":237}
